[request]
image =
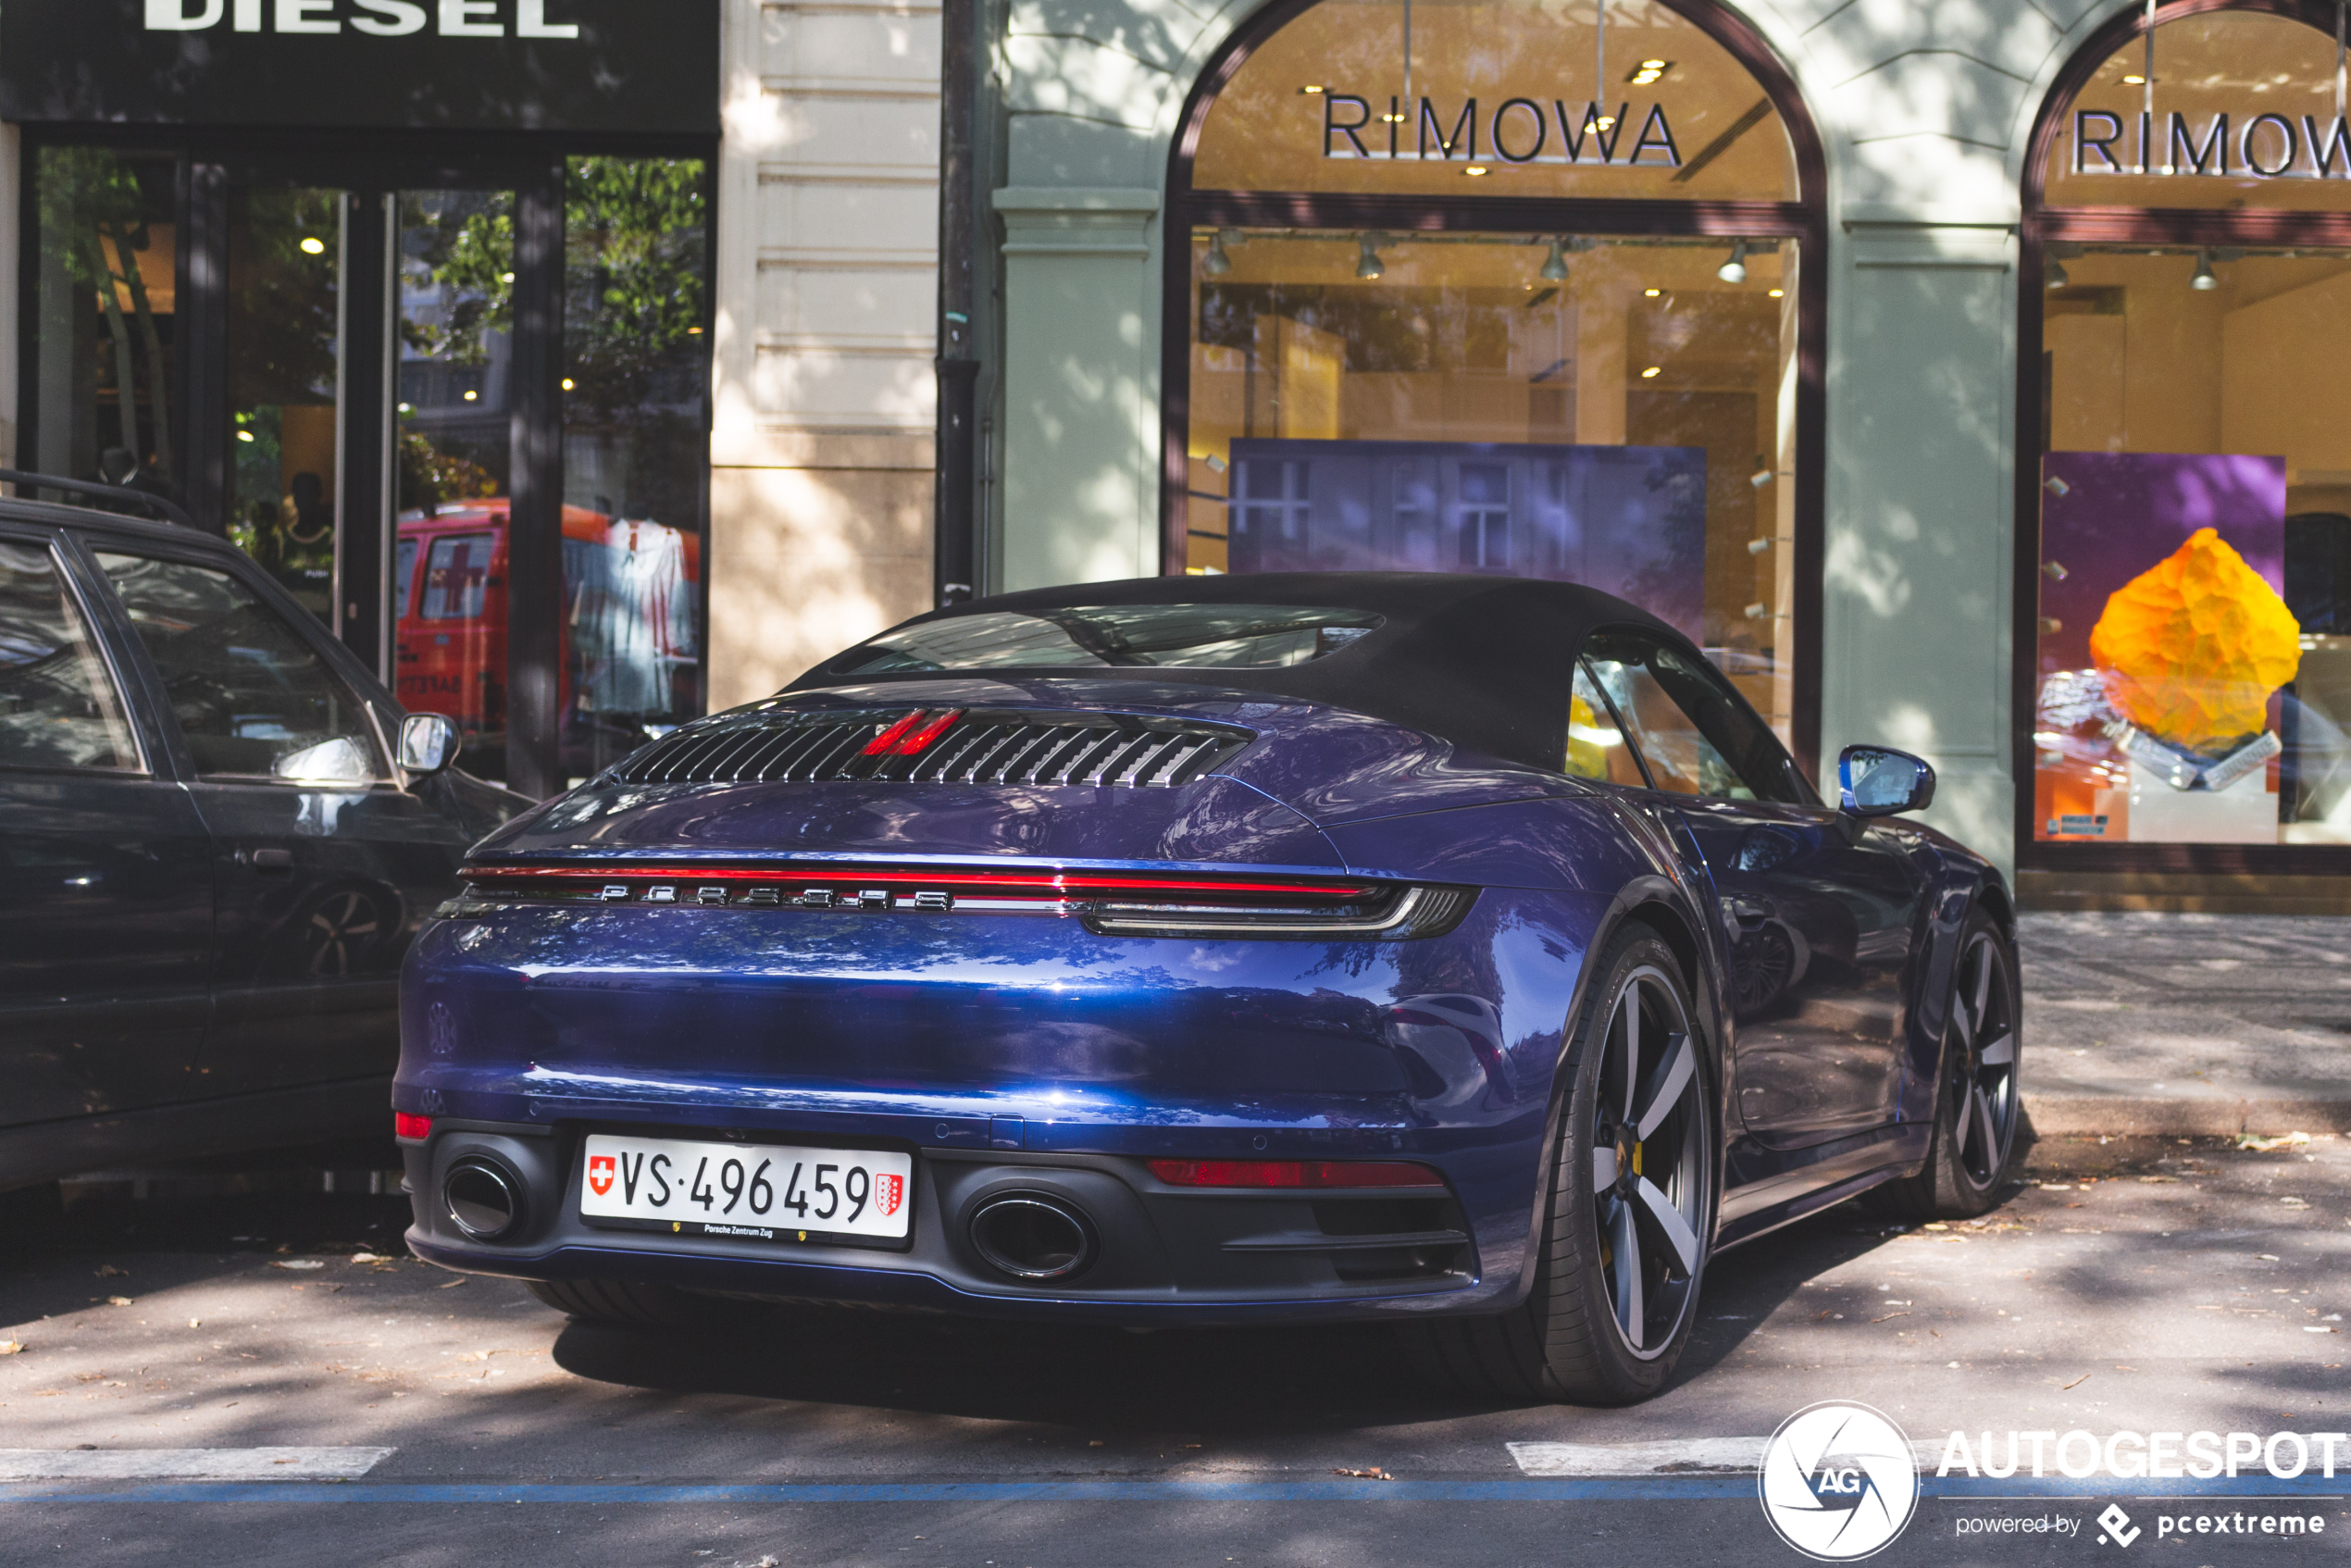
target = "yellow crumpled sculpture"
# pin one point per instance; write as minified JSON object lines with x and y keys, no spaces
{"x":2191,"y":648}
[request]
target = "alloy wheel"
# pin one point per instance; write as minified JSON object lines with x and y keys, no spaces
{"x":1983,"y":1057}
{"x":339,"y":928}
{"x":1652,"y":1163}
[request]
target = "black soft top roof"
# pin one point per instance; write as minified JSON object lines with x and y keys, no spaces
{"x":1483,"y":662}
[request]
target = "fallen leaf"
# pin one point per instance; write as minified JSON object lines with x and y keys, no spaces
{"x":108,"y":1271}
{"x":11,"y":1347}
{"x":2255,"y":1144}
{"x":1374,"y":1474}
{"x":451,"y":1285}
{"x":367,"y":1258}
{"x":119,"y":1301}
{"x":1822,"y":1316}
{"x":1889,"y":1317}
{"x":297,"y":1263}
{"x":2075,"y":1384}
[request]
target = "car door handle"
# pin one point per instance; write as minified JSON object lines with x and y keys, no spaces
{"x":269,"y":863}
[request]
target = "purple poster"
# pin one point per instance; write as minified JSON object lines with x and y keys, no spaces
{"x":1628,"y":520}
{"x":2106,"y":516}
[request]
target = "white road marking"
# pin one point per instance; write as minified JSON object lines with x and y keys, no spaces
{"x":1677,"y":1456}
{"x":188,"y":1464}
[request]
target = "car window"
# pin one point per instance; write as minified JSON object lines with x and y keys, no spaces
{"x":58,"y":706}
{"x":1694,"y":733}
{"x":1595,"y":744}
{"x":1178,"y":636}
{"x":457,"y":577}
{"x":252,"y":697}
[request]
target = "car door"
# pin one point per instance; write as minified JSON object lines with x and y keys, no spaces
{"x":1820,"y":910}
{"x":105,"y":874}
{"x":322,"y":864}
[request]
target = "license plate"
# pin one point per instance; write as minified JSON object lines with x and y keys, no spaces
{"x":750,"y":1191}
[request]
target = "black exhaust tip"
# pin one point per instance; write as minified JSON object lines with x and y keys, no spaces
{"x":484,"y":1199}
{"x":1032,"y":1236}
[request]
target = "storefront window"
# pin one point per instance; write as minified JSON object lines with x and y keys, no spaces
{"x":285,"y":352}
{"x":104,"y":318}
{"x":636,"y":370}
{"x":453,"y":458}
{"x":2192,"y":650}
{"x":1544,"y":389}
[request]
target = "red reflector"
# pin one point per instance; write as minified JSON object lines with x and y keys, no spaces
{"x":1294,"y":1173}
{"x":914,"y":743}
{"x":406,"y":1126}
{"x":881,"y":743}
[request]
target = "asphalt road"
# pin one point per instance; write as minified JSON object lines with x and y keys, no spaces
{"x":2144,"y":1285}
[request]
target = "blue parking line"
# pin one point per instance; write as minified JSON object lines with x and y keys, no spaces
{"x":1597,"y":1489}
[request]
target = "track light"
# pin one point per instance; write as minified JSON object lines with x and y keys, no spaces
{"x":1216,"y":264}
{"x":2057,"y":274}
{"x":2204,"y":282}
{"x":1554,"y":267}
{"x":1367,"y":263}
{"x":1734,"y":269}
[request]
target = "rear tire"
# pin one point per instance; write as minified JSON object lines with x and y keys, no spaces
{"x":1628,"y":1209}
{"x":619,"y":1304}
{"x":1977,"y":1114}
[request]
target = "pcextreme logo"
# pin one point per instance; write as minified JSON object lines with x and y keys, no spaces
{"x":1839,"y":1482}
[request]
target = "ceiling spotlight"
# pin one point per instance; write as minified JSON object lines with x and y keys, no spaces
{"x":1734,"y":269}
{"x":1475,"y":170}
{"x":2204,"y":282}
{"x":1651,"y":374}
{"x":1651,"y":293}
{"x":2058,"y":278}
{"x":1554,"y":267}
{"x":313,"y":245}
{"x":1777,"y":294}
{"x":1216,"y":264}
{"x":1367,"y":264}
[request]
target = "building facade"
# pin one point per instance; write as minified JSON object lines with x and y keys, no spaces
{"x":1955,"y":374}
{"x":1902,"y":354}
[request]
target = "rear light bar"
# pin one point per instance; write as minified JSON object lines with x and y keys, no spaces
{"x":1118,"y":903}
{"x":1324,"y":1174}
{"x":411,"y":1128}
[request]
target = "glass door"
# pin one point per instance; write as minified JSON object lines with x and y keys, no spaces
{"x":460,"y":412}
{"x":454,"y":389}
{"x":285,"y":380}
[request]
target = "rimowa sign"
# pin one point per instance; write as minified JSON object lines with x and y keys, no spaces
{"x":460,"y":65}
{"x":1507,"y":131}
{"x":2266,"y":146}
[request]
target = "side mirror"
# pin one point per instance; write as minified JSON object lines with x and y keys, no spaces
{"x":1880,"y":782}
{"x":429,"y":743}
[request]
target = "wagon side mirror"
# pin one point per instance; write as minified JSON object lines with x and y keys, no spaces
{"x":429,"y":743}
{"x":1880,"y":782}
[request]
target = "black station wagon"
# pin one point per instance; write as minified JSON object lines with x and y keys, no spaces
{"x":218,"y":833}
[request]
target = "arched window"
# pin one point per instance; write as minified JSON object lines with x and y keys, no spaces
{"x":1515,"y":286}
{"x":2184,"y":501}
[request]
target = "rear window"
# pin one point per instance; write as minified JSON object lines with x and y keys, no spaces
{"x":1185,"y":636}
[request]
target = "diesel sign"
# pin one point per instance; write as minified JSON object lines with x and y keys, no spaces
{"x":450,"y":65}
{"x":385,"y":18}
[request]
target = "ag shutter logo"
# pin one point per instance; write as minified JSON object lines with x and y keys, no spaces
{"x":1839,"y":1481}
{"x":2115,"y":1526}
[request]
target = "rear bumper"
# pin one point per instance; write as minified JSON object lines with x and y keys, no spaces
{"x":1165,"y":1255}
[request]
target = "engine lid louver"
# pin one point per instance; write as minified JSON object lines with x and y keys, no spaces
{"x":937,"y":746}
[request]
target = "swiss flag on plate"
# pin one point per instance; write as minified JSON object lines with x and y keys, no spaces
{"x":888,"y":1192}
{"x":600,"y":1170}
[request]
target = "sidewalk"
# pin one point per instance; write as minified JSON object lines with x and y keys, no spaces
{"x":2186,"y":1024}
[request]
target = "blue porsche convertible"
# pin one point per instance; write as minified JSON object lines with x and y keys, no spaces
{"x":1454,"y":950}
